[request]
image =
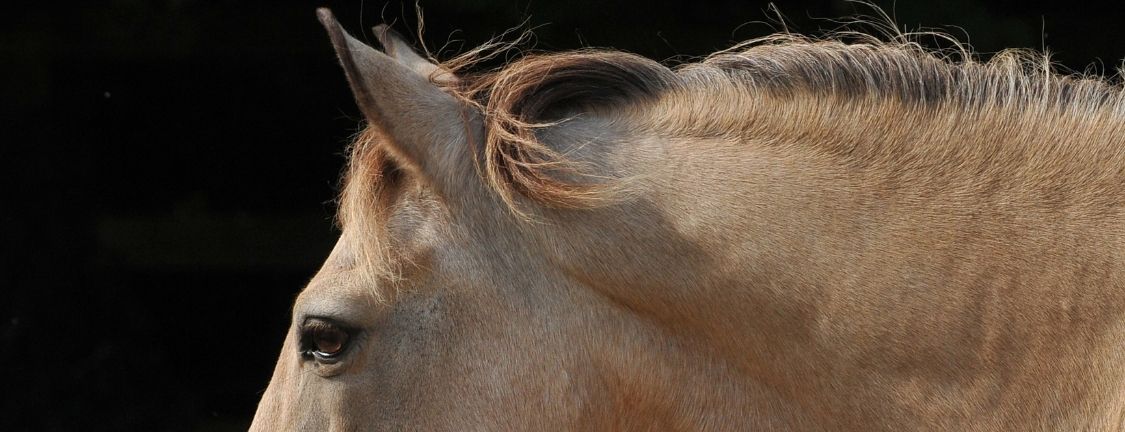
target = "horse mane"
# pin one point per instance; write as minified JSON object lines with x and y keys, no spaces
{"x":902,"y":69}
{"x":541,"y":90}
{"x":714,"y":97}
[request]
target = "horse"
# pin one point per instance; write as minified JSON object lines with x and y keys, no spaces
{"x":796,"y":233}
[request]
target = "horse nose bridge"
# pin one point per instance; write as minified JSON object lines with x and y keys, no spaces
{"x":266,"y":419}
{"x":273,"y":410}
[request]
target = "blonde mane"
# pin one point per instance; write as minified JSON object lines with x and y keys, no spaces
{"x":539,"y":90}
{"x":829,"y":89}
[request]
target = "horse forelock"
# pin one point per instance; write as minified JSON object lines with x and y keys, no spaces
{"x":365,"y":205}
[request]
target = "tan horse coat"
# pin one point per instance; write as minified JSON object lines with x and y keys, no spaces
{"x":792,"y":234}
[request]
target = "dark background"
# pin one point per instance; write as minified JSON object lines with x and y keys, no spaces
{"x":169,"y":169}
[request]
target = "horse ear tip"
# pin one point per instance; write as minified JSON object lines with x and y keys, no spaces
{"x":325,"y":16}
{"x":386,"y":37}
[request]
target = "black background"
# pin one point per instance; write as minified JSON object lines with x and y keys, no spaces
{"x":169,"y":169}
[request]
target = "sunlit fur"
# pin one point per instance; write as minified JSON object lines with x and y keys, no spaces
{"x":792,"y":234}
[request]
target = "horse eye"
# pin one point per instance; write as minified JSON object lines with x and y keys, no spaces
{"x":323,"y":340}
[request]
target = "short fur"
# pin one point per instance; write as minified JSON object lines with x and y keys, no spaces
{"x":793,"y":234}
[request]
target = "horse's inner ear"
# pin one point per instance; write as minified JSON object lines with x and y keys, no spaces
{"x":423,"y":126}
{"x":397,"y":47}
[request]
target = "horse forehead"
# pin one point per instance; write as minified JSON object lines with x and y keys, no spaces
{"x":330,"y":284}
{"x":338,"y":273}
{"x":343,"y":255}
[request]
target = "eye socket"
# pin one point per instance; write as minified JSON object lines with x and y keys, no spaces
{"x":323,"y":340}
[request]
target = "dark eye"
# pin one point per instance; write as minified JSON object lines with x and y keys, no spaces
{"x":323,"y":340}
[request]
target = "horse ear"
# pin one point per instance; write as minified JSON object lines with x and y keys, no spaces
{"x":423,"y":126}
{"x":395,"y":45}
